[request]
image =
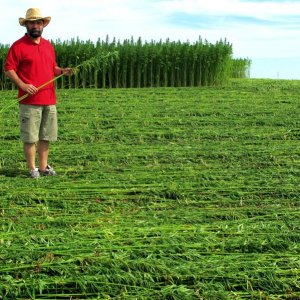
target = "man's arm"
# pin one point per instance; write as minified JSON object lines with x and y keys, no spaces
{"x":27,"y":88}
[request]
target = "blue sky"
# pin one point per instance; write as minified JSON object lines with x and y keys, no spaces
{"x":267,"y":32}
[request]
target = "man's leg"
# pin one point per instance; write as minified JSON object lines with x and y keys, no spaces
{"x":43,"y":151}
{"x":47,"y":134}
{"x":29,"y":151}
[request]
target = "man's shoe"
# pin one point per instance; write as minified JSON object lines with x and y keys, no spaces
{"x":48,"y":171}
{"x":34,"y":173}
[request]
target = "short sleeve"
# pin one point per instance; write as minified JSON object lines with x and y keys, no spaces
{"x":12,"y":60}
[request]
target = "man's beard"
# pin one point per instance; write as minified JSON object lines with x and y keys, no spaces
{"x":34,"y":33}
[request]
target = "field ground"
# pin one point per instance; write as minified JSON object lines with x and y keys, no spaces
{"x":169,"y":193}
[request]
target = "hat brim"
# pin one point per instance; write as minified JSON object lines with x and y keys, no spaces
{"x":46,"y":20}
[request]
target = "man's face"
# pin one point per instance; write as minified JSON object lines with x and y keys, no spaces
{"x":35,"y":28}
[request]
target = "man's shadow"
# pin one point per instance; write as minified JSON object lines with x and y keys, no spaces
{"x":11,"y":172}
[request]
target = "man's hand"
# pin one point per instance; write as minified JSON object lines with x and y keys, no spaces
{"x":67,"y":71}
{"x":58,"y":71}
{"x":28,"y":88}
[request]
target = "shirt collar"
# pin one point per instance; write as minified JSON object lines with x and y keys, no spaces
{"x":31,"y":41}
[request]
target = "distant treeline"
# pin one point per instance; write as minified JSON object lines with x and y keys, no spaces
{"x":135,"y":64}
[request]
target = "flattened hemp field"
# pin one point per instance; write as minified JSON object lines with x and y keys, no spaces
{"x":145,"y":64}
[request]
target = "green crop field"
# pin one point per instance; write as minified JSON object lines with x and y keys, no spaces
{"x":161,"y":193}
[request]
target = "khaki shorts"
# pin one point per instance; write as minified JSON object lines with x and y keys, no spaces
{"x":38,"y":123}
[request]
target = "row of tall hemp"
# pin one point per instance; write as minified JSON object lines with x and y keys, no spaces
{"x":5,"y":83}
{"x":137,"y":64}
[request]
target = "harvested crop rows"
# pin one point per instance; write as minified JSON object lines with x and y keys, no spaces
{"x":162,"y":193}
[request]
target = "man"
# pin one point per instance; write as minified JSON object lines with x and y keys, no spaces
{"x":30,"y":63}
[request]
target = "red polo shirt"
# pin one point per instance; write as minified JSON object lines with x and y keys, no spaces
{"x":34,"y":64}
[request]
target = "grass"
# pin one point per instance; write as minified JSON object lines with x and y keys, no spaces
{"x":175,"y":193}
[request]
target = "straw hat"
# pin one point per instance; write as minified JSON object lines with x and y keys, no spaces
{"x":34,"y":14}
